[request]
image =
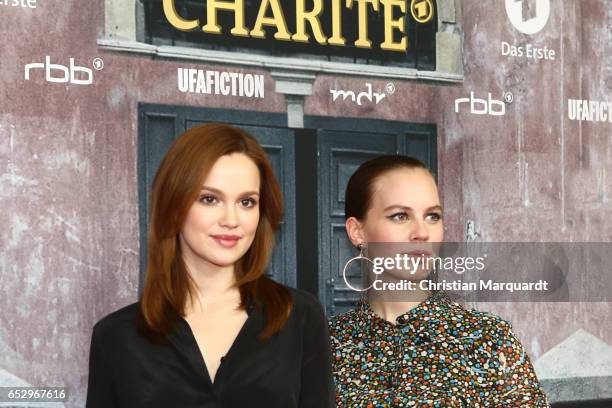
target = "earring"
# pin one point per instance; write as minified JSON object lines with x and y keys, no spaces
{"x":359,"y":257}
{"x":434,"y":275}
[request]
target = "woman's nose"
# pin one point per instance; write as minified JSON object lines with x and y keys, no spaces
{"x":230,"y":218}
{"x":419,"y":232}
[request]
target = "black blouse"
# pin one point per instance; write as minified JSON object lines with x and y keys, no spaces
{"x":291,"y":369}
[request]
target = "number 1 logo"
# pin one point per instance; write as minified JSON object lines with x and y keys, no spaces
{"x":528,"y":16}
{"x":422,"y":10}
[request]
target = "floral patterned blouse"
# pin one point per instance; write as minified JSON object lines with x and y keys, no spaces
{"x":436,"y":355}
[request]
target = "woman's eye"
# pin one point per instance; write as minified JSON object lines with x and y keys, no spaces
{"x":399,"y":216}
{"x":248,"y":202}
{"x":434,"y":217}
{"x":208,"y":199}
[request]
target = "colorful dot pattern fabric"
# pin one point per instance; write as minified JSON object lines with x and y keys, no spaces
{"x":438,"y":354}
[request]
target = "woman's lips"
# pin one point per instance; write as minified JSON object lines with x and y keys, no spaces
{"x":226,"y":241}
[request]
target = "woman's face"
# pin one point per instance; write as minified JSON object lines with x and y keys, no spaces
{"x":221,"y":224}
{"x":405,"y":208}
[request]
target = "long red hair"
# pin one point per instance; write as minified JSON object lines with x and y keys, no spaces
{"x":175,"y":189}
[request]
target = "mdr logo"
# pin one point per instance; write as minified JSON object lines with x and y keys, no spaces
{"x":528,"y":16}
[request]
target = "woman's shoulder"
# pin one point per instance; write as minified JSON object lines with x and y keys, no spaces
{"x":440,"y":316}
{"x":302,"y":298}
{"x":118,"y":323}
{"x":302,"y":303}
{"x":305,"y":303}
{"x":343,"y":322}
{"x":471,"y":320}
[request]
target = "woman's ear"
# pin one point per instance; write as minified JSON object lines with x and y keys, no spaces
{"x":354,"y":230}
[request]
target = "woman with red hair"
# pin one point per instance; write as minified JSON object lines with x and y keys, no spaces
{"x":211,"y":329}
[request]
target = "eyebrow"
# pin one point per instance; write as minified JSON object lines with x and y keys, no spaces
{"x":217,"y":191}
{"x":404,"y":207}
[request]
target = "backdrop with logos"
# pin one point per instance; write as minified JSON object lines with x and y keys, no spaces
{"x":507,"y":102}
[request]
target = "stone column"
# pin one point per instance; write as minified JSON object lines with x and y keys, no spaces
{"x":448,"y":39}
{"x":295,"y":85}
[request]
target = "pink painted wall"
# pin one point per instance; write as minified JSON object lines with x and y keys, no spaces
{"x":68,"y":185}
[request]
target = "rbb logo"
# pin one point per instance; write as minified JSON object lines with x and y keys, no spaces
{"x":61,"y":74}
{"x":478,"y":106}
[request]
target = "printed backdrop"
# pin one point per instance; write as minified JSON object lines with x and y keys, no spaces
{"x":508,"y":101}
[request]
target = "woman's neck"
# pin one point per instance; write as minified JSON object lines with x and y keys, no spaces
{"x":212,"y":283}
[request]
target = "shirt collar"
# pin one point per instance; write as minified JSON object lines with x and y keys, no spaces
{"x":416,"y":319}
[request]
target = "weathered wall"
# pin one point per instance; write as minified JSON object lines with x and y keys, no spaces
{"x":68,"y":185}
{"x":532,"y":175}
